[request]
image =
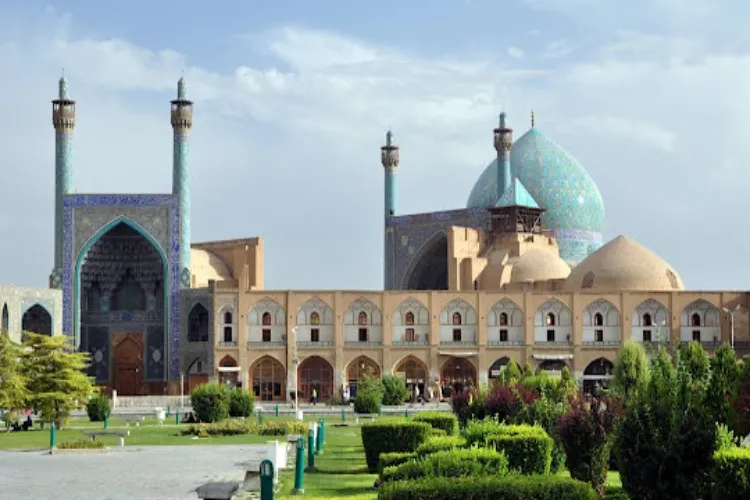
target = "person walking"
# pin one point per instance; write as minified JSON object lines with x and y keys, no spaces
{"x":314,"y":396}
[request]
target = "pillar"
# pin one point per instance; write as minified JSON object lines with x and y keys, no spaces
{"x":182,"y":122}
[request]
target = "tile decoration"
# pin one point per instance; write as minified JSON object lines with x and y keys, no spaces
{"x":559,"y":184}
{"x":154,"y":352}
{"x":158,"y":215}
{"x":181,"y":188}
{"x":97,"y":341}
{"x":414,"y":234}
{"x":63,"y":185}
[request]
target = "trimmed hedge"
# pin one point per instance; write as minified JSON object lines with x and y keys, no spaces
{"x":210,"y":402}
{"x":451,"y":463}
{"x":477,"y":431}
{"x":528,"y":448}
{"x":731,"y":474}
{"x":435,"y":444}
{"x":98,"y":408}
{"x":239,"y":427}
{"x":437,"y":433}
{"x":488,"y":488}
{"x":616,"y":493}
{"x":385,"y":437}
{"x":241,"y":402}
{"x":445,"y":421}
{"x":393,"y":459}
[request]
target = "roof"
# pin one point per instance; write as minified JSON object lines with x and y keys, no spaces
{"x":516,"y":196}
{"x":539,"y":265}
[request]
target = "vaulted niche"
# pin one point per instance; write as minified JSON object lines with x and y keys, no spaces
{"x":431,"y":272}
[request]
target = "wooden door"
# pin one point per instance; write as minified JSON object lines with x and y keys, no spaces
{"x":128,"y":380}
{"x":128,"y":364}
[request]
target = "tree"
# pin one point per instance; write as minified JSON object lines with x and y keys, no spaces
{"x":370,"y":393}
{"x":694,"y":361}
{"x":631,"y":371}
{"x":511,"y":373}
{"x":395,"y":390}
{"x":725,"y":375}
{"x":528,"y":371}
{"x":667,"y":438}
{"x":14,"y":395}
{"x":55,"y":376}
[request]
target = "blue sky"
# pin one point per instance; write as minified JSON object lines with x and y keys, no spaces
{"x":293,"y":99}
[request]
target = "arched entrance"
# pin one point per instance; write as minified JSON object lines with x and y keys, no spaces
{"x":498,"y":366}
{"x":457,"y":374}
{"x":431,"y":270}
{"x":357,"y":370}
{"x":597,"y":374}
{"x":268,"y":379}
{"x":128,"y":365}
{"x":315,"y":373}
{"x":552,"y":366}
{"x":229,"y":372}
{"x":415,"y":373}
{"x":36,"y":319}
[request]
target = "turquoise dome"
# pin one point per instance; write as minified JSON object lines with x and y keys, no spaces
{"x":560,"y":185}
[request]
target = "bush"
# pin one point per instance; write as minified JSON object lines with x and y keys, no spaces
{"x":395,"y":391}
{"x":586,"y":432}
{"x":394,"y":458}
{"x":435,"y":444}
{"x":616,"y":493}
{"x":436,"y":433}
{"x":451,"y":463}
{"x":282,"y":428}
{"x":489,"y":488}
{"x":237,"y":427}
{"x":528,"y":448}
{"x":477,"y":431}
{"x":210,"y":402}
{"x":98,"y":408}
{"x":241,"y":403}
{"x":546,"y":412}
{"x":369,"y":395}
{"x":385,"y":437}
{"x":461,"y":405}
{"x":82,"y":444}
{"x":731,"y":474}
{"x":444,"y":421}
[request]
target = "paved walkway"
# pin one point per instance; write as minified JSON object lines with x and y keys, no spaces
{"x":149,"y":473}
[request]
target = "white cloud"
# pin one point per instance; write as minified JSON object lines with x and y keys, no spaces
{"x":515,"y":52}
{"x":290,"y":147}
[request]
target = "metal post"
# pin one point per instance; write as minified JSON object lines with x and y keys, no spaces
{"x":260,"y":416}
{"x":343,"y":416}
{"x":319,"y":441}
{"x":169,"y":411}
{"x":406,"y":413}
{"x":52,"y":437}
{"x":177,"y":417}
{"x":106,"y":421}
{"x":277,"y":410}
{"x":310,"y":451}
{"x":322,"y":430}
{"x":299,"y":468}
{"x":267,"y":474}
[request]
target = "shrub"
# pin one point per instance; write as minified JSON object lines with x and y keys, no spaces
{"x":81,"y":444}
{"x":616,"y":493}
{"x":477,"y":431}
{"x":461,"y":403}
{"x":528,"y":448}
{"x":436,"y":432}
{"x":369,"y":395}
{"x":241,"y":403}
{"x":210,"y":402}
{"x":501,"y":403}
{"x":488,"y":488}
{"x":394,"y":458}
{"x":450,"y":463}
{"x":395,"y":391}
{"x":444,"y":421}
{"x":435,"y":444}
{"x":225,"y":428}
{"x":384,"y":437}
{"x":546,"y":412}
{"x":282,"y":428}
{"x":98,"y":408}
{"x":586,"y":432}
{"x":731,"y":474}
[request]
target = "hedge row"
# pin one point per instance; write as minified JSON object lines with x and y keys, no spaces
{"x":386,"y":437}
{"x":451,"y":463}
{"x":488,"y":488}
{"x":731,"y":474}
{"x":394,"y":458}
{"x":237,"y":427}
{"x":435,"y":444}
{"x":528,"y":448}
{"x":444,"y":421}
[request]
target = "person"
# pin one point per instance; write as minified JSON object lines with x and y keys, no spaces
{"x":346,"y":394}
{"x":314,"y":396}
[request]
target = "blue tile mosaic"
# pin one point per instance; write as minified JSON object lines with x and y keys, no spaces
{"x":63,"y":184}
{"x":181,"y":188}
{"x":516,"y":196}
{"x":109,"y":203}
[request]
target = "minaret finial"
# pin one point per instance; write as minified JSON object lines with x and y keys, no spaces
{"x":181,"y":88}
{"x":63,"y":87}
{"x":501,"y":120}
{"x":389,"y":137}
{"x":533,"y":119}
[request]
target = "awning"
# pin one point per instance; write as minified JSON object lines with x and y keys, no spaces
{"x":552,"y":356}
{"x":225,"y":369}
{"x":458,"y":354}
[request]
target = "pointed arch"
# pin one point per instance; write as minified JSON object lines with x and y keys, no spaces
{"x":5,"y":320}
{"x":410,"y":323}
{"x":428,"y":269}
{"x":268,"y":379}
{"x":363,"y":322}
{"x":497,"y":367}
{"x":553,"y":323}
{"x":700,"y":321}
{"x":228,"y":361}
{"x":597,"y":374}
{"x":458,"y":373}
{"x":315,"y":373}
{"x":266,"y":323}
{"x":601,"y":323}
{"x":37,"y":319}
{"x":198,"y":324}
{"x":226,"y":326}
{"x":358,"y":369}
{"x":505,"y":323}
{"x":415,"y":372}
{"x":315,"y":323}
{"x":650,"y":322}
{"x":458,"y":323}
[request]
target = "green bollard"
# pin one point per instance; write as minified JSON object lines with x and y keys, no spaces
{"x":277,"y":410}
{"x":343,"y":416}
{"x":52,"y":437}
{"x":323,"y":429}
{"x":299,"y":468}
{"x":266,"y":480}
{"x":177,"y":417}
{"x":106,"y":421}
{"x":260,"y":416}
{"x":169,"y":411}
{"x":319,"y":441}
{"x":310,"y":451}
{"x":406,"y":413}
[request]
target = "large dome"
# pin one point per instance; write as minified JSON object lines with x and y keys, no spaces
{"x":624,"y":264}
{"x":559,"y":184}
{"x":539,"y":265}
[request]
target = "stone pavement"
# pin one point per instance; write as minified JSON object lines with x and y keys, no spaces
{"x":148,"y":473}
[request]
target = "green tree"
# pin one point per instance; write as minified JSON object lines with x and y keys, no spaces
{"x":725,"y":378}
{"x":528,"y":371}
{"x":370,"y":393}
{"x":568,"y":384}
{"x":395,"y":390}
{"x":631,"y":371}
{"x":511,"y":373}
{"x":694,"y":361}
{"x":14,"y":395}
{"x":55,"y":376}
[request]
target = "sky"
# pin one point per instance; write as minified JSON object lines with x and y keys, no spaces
{"x":293,"y":99}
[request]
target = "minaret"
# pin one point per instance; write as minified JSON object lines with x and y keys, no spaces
{"x":503,"y":142}
{"x":182,"y":122}
{"x":389,"y":159}
{"x":64,"y":121}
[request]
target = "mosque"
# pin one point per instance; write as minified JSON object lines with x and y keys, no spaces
{"x":522,"y":273}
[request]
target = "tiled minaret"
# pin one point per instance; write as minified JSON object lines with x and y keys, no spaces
{"x":64,"y":121}
{"x":503,"y":139}
{"x":389,"y":160}
{"x":182,"y":122}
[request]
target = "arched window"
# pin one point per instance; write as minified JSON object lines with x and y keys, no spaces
{"x":503,"y":320}
{"x":227,"y":317}
{"x":695,"y":319}
{"x":314,"y":318}
{"x":362,"y":318}
{"x":409,"y":318}
{"x":456,"y":318}
{"x":598,"y":319}
{"x":266,"y":319}
{"x":228,"y":328}
{"x":550,"y":319}
{"x":647,"y":320}
{"x":198,"y":324}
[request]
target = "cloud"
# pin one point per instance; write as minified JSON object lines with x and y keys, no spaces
{"x":515,"y":52}
{"x":287,"y":135}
